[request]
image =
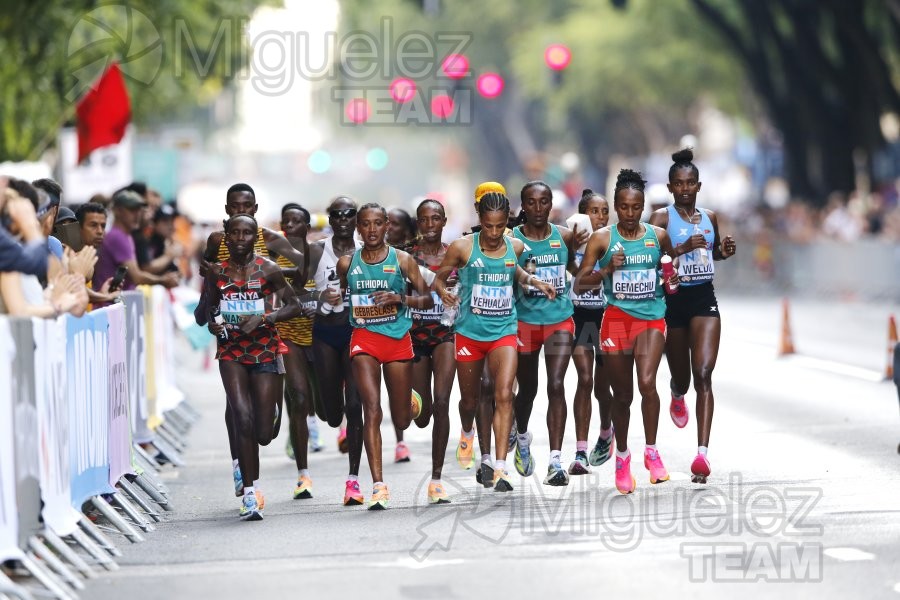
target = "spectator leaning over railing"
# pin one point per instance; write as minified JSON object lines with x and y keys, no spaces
{"x":92,"y":219}
{"x":21,"y":293}
{"x":118,"y":250}
{"x":19,"y":223}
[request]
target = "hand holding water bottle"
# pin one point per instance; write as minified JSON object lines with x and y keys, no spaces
{"x":450,"y":300}
{"x":704,"y":253}
{"x":669,"y":274}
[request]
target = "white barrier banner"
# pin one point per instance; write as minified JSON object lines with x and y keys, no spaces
{"x":168,"y":396}
{"x":119,"y":425}
{"x":53,"y":425}
{"x":9,"y":522}
{"x":136,"y":352}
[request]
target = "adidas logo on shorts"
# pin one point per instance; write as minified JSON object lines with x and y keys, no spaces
{"x":356,"y":348}
{"x":357,"y":271}
{"x":478,"y":263}
{"x":463,"y":352}
{"x":608,"y":343}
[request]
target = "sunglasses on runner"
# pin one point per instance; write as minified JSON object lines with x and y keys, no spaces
{"x":346,"y":213}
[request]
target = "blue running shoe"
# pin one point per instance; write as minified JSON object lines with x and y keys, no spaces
{"x":556,"y":475}
{"x":238,"y":483}
{"x":250,"y":511}
{"x":524,"y":459}
{"x":602,"y":450}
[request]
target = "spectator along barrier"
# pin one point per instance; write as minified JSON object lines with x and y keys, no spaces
{"x":89,"y":410}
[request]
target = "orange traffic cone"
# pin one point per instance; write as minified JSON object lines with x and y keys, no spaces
{"x":787,"y":342}
{"x":892,"y":341}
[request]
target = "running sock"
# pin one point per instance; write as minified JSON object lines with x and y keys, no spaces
{"x":605,"y":434}
{"x":436,"y":481}
{"x":302,"y":473}
{"x":676,"y":397}
{"x":555,"y":456}
{"x":235,"y":465}
{"x":352,"y":477}
{"x":500,"y":465}
{"x":248,"y":491}
{"x":377,"y":483}
{"x":469,"y":434}
{"x":702,"y":450}
{"x":623,"y":455}
{"x":486,"y":459}
{"x":581,"y":446}
{"x":523,"y":438}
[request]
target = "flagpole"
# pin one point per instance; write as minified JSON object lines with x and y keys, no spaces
{"x":42,"y":145}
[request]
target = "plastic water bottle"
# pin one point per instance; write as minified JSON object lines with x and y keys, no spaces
{"x":218,"y":319}
{"x":448,"y":317}
{"x":668,"y":269}
{"x":340,"y":307}
{"x":704,"y":253}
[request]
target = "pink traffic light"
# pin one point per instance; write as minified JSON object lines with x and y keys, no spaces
{"x":403,"y":89}
{"x":490,"y":85}
{"x":442,"y":106}
{"x":358,"y":110}
{"x":557,"y":56}
{"x":455,"y":66}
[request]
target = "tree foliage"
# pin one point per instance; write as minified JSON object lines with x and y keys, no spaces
{"x":55,"y":49}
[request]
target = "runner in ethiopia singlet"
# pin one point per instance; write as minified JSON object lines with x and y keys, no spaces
{"x":634,"y":288}
{"x":363,"y":280}
{"x":487,"y":308}
{"x":246,"y":299}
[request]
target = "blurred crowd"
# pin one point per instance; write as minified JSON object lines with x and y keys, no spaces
{"x":56,"y":259}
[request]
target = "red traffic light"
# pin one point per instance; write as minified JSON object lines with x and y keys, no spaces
{"x":442,"y":106}
{"x":403,"y":89}
{"x":490,"y":85}
{"x":358,"y":110}
{"x":557,"y":56}
{"x":455,"y":66}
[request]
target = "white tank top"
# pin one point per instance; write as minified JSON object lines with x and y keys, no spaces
{"x":326,"y":272}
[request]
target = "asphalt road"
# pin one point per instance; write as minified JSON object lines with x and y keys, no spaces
{"x":804,"y":497}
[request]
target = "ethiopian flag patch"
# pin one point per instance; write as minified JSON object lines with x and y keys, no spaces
{"x":555,"y":244}
{"x":649,"y":244}
{"x":509,"y":262}
{"x":390,"y":269}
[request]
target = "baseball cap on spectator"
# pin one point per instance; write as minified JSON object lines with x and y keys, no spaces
{"x":128,"y":199}
{"x":165,"y":211}
{"x":65,"y":215}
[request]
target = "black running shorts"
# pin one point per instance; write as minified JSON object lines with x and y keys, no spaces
{"x":691,"y":301}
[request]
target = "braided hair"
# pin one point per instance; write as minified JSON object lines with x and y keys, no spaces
{"x":629,"y":179}
{"x":683,"y":159}
{"x":493,"y":201}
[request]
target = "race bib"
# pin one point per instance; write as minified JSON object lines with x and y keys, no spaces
{"x":634,"y":284}
{"x":365,"y":312}
{"x":492,"y":300}
{"x":691,"y":267}
{"x":555,"y":275}
{"x":593,"y":299}
{"x":234,"y":310}
{"x":428,"y":315}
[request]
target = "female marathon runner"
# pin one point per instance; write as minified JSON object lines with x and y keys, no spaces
{"x":633,"y":332}
{"x":375,"y":278}
{"x":692,"y":315}
{"x":592,"y":378}
{"x":543,"y":323}
{"x":297,"y":336}
{"x":433,"y":346}
{"x":331,"y":337}
{"x":240,"y":291}
{"x":487,"y":267}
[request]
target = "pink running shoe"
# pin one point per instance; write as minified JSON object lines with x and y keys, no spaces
{"x":700,"y":469}
{"x":654,"y":464}
{"x":678,"y":410}
{"x":352,"y":495}
{"x":625,"y":482}
{"x":401,"y":453}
